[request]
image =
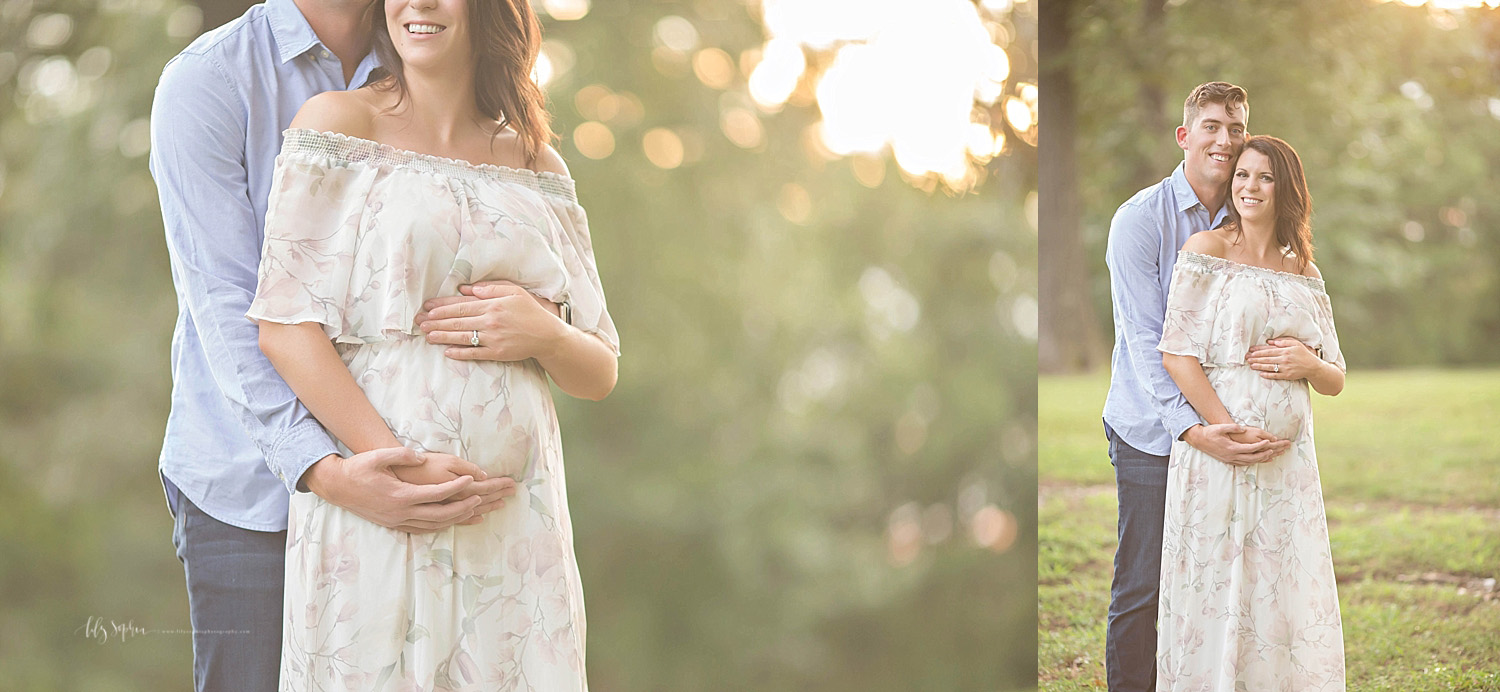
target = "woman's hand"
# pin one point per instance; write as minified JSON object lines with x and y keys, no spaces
{"x":512,"y":324}
{"x":1284,"y":358}
{"x":437,"y":468}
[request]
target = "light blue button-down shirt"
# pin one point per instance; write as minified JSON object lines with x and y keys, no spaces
{"x":1144,"y":406}
{"x":237,"y":439}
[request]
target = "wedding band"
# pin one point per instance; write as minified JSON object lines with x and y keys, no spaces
{"x":474,"y":338}
{"x":1274,"y":368}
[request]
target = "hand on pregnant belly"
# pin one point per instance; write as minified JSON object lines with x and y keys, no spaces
{"x":436,"y":468}
{"x":1279,"y":407}
{"x":1283,"y":358}
{"x":509,"y":323}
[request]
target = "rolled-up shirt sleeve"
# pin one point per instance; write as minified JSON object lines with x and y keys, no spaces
{"x":213,"y":240}
{"x":1132,"y":255}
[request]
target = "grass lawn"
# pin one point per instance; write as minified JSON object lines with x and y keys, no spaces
{"x":1411,"y":478}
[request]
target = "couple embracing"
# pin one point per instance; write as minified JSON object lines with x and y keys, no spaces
{"x":1224,"y":577}
{"x":380,"y":263}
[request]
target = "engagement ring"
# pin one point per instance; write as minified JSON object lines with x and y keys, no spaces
{"x":474,"y":338}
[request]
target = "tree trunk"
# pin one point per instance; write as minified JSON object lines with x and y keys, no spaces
{"x":1068,"y":338}
{"x":1152,"y":100}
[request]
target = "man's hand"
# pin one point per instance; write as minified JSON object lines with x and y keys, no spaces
{"x":367,"y":485}
{"x":1236,"y":445}
{"x":1284,"y":358}
{"x":512,"y":323}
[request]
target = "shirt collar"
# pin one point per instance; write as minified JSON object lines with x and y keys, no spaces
{"x":1186,"y":199}
{"x":293,"y":35}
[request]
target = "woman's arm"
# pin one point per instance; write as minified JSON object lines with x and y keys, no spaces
{"x":307,"y":360}
{"x":1327,"y":380}
{"x":581,"y":364}
{"x":1188,"y":373}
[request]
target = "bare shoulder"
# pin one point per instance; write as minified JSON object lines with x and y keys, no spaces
{"x":549,"y":161}
{"x":345,"y":112}
{"x":1312,"y":271}
{"x":1207,"y":243}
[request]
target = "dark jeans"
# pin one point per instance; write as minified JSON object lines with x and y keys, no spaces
{"x":234,"y":583}
{"x":1130,"y":647}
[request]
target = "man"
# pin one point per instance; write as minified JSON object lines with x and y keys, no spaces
{"x":1145,"y":411}
{"x":237,"y":440}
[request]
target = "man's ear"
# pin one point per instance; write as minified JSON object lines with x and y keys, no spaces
{"x":1182,"y":133}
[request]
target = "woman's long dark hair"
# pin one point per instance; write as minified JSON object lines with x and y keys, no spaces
{"x":506,"y":38}
{"x":1293,"y":201}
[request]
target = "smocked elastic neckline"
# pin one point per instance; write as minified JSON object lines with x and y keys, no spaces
{"x":1212,"y":262}
{"x":359,"y":150}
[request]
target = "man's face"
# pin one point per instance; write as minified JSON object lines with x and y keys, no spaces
{"x":1212,"y":143}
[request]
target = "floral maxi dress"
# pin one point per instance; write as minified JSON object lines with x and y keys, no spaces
{"x":1248,"y":600}
{"x":358,"y":236}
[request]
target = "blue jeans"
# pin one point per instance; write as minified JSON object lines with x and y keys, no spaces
{"x":235,"y":579}
{"x":1130,"y":646}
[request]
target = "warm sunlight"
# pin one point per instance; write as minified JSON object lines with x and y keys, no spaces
{"x":927,"y":85}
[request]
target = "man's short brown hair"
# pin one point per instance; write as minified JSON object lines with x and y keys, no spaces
{"x":1230,"y":96}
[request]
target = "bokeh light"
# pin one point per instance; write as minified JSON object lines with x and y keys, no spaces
{"x":594,"y":139}
{"x":663,"y":148}
{"x":794,"y":203}
{"x":553,"y":61}
{"x":919,"y":83}
{"x":714,"y":68}
{"x":48,"y":31}
{"x":566,"y":10}
{"x":742,"y":127}
{"x":776,"y":73}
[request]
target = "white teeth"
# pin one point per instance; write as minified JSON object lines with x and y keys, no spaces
{"x":1219,"y":157}
{"x":423,"y":28}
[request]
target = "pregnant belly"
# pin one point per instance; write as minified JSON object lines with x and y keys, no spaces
{"x":497,"y":415}
{"x":1280,"y":407}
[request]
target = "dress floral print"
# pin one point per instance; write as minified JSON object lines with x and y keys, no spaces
{"x":1248,"y":599}
{"x":358,"y":236}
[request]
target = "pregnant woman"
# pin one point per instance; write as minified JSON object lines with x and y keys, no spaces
{"x":388,"y":200}
{"x":1248,"y":600}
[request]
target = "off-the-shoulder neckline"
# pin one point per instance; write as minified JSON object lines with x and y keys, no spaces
{"x":371,"y":149}
{"x":1211,"y":260}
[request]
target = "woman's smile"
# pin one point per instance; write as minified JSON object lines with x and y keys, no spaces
{"x":419,"y":29}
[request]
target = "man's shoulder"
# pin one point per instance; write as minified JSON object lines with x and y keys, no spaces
{"x":1146,"y":209}
{"x":244,"y":29}
{"x":1149,"y":198}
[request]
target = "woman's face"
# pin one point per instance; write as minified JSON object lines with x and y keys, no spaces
{"x":429,"y":34}
{"x":1254,"y":188}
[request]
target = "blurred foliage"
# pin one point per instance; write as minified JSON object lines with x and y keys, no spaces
{"x":793,"y":395}
{"x":1393,"y":110}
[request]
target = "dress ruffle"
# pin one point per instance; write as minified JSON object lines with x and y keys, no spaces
{"x":344,"y":221}
{"x":1203,"y":322}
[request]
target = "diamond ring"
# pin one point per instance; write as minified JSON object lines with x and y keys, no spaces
{"x":474,"y":338}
